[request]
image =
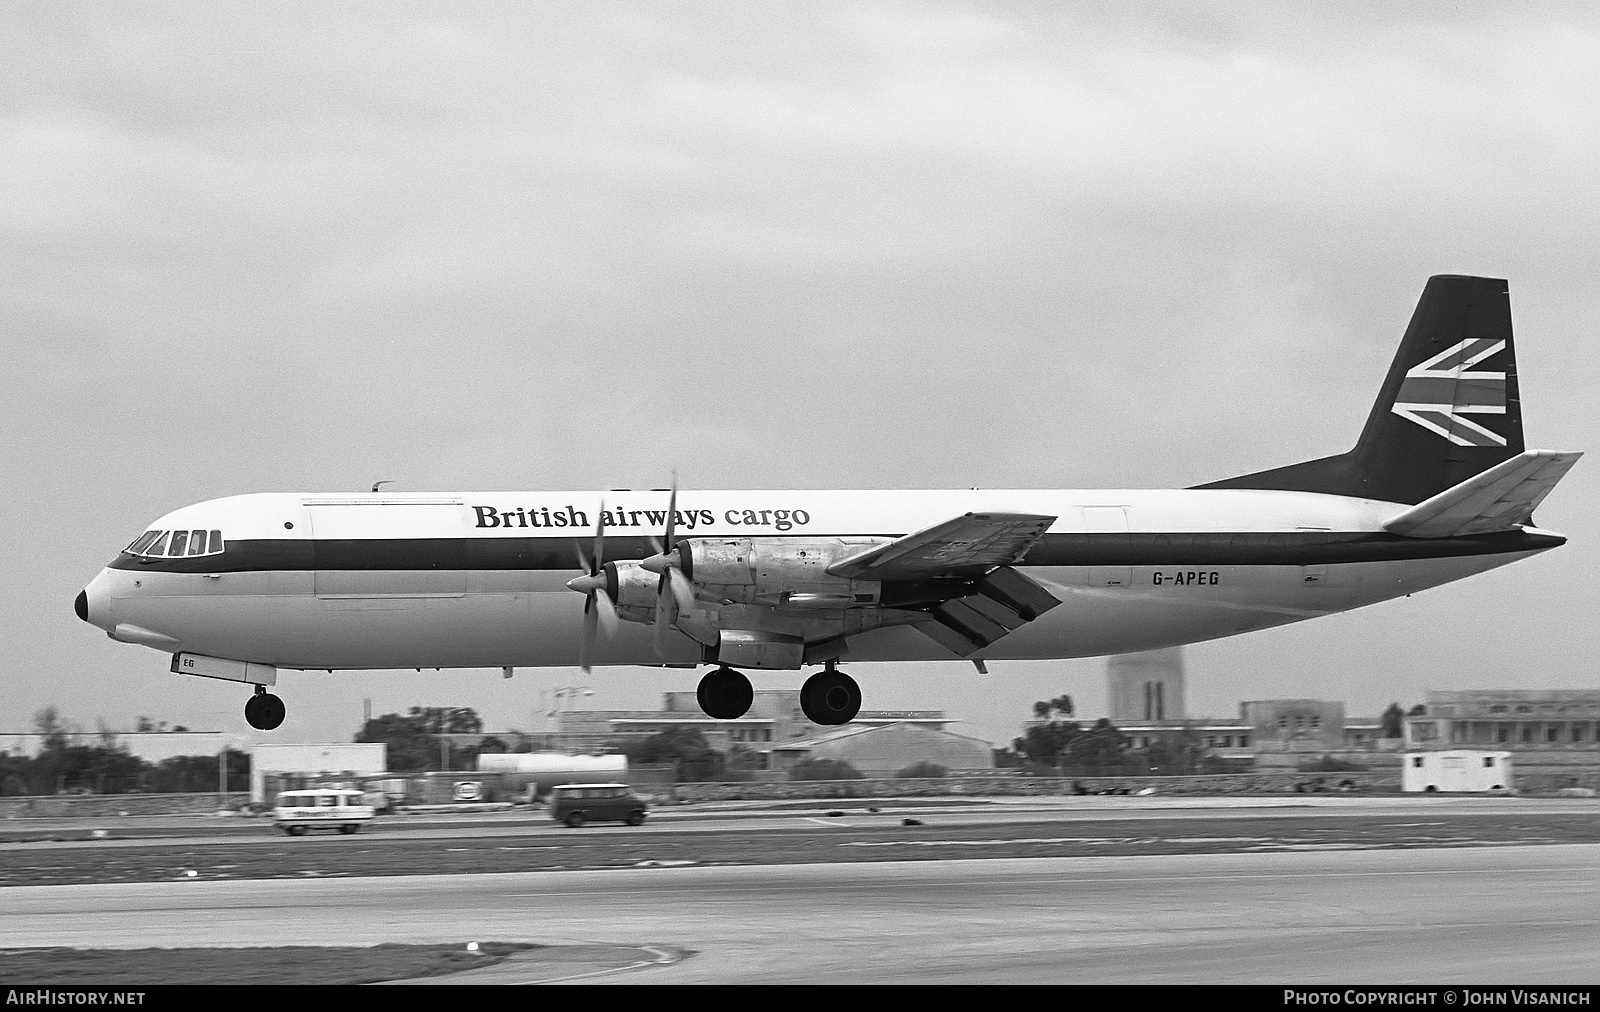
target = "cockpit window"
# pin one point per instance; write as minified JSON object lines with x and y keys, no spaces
{"x":173,"y":544}
{"x":142,"y":542}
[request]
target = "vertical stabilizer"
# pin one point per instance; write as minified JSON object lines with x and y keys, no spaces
{"x":1448,"y":410}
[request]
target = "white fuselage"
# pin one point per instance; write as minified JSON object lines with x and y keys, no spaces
{"x":357,"y":581}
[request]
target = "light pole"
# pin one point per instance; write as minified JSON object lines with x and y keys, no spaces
{"x":562,"y":695}
{"x":222,"y":771}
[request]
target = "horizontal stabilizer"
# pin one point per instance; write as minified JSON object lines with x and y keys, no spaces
{"x":1498,"y":499}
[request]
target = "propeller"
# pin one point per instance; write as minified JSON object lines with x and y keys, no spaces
{"x":598,"y":608}
{"x":673,"y":593}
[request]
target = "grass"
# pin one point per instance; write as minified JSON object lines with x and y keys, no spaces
{"x":284,"y":964}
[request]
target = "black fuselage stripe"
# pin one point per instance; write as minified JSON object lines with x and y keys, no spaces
{"x":1300,"y":548}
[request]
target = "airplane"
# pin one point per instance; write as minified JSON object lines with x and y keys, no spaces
{"x":1437,"y":488}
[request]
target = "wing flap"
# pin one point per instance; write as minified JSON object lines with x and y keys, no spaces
{"x":1499,"y":499}
{"x":967,"y":545}
{"x":1002,"y":601}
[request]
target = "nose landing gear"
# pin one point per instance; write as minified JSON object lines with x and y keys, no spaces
{"x":830,"y":697}
{"x":725,"y":694}
{"x":264,"y":711}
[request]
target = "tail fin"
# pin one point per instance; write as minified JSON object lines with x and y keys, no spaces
{"x":1448,"y":410}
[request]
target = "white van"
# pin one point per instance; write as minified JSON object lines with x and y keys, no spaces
{"x":321,"y":808}
{"x":1465,"y":770}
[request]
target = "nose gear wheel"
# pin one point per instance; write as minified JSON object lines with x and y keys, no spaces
{"x":264,"y":711}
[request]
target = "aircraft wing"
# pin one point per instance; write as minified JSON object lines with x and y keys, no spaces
{"x":1498,"y":499}
{"x":969,"y":545}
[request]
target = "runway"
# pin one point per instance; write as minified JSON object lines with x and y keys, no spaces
{"x":1511,"y":913}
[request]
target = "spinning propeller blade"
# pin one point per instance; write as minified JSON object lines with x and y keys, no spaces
{"x":598,"y":608}
{"x":669,"y":599}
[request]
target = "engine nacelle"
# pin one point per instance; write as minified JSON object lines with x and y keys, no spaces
{"x":633,"y":590}
{"x":775,"y":571}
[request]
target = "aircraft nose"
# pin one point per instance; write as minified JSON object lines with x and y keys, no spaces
{"x":94,"y":602}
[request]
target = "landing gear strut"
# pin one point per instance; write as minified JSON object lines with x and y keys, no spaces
{"x":725,"y":694}
{"x":264,"y":711}
{"x":830,"y":697}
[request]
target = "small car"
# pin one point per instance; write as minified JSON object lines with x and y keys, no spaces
{"x":576,"y":804}
{"x":321,"y":808}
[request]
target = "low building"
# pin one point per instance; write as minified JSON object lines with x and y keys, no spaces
{"x":1520,"y":719}
{"x":297,"y":765}
{"x":151,"y":746}
{"x":1279,"y":727}
{"x":886,"y":749}
{"x":1228,"y":739}
{"x":774,"y":718}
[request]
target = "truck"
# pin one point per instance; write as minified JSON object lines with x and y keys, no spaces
{"x":1457,"y":770}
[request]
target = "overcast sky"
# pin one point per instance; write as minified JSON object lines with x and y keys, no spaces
{"x":286,"y":247}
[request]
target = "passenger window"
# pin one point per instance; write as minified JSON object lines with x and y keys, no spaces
{"x":197,"y":543}
{"x":180,"y":540}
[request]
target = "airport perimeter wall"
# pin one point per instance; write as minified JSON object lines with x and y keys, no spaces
{"x":1528,"y":780}
{"x":1003,"y":786}
{"x":93,"y":806}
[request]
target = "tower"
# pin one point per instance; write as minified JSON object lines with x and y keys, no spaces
{"x":1146,"y":686}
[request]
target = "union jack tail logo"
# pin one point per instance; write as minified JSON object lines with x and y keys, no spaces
{"x":1441,"y":392}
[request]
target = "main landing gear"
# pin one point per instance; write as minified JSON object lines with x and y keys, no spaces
{"x":725,"y":694}
{"x":830,"y":697}
{"x":264,"y":711}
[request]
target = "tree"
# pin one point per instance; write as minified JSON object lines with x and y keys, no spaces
{"x":744,"y":758}
{"x":413,"y":739}
{"x":823,"y":769}
{"x":1050,"y":709}
{"x":1392,"y":722}
{"x":1044,"y":742}
{"x":197,"y":774}
{"x":923,"y":770}
{"x":87,"y":769}
{"x":51,"y":728}
{"x":684,"y":747}
{"x":1098,"y":751}
{"x":147,"y":726}
{"x":1179,"y":754}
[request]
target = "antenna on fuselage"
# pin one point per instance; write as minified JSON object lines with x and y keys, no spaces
{"x":386,"y":481}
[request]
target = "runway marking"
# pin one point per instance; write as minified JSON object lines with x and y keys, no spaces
{"x":551,"y":847}
{"x":662,"y":958}
{"x":995,"y":843}
{"x":830,"y":823}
